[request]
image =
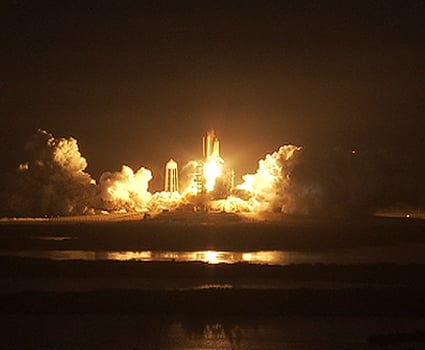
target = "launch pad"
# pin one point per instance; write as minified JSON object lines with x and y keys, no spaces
{"x":211,"y":181}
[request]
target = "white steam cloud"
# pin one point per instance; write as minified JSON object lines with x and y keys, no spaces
{"x":126,"y":190}
{"x":269,"y":188}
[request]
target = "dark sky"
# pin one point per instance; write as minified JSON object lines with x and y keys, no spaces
{"x":140,"y":82}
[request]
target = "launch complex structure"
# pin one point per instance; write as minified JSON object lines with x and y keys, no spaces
{"x":211,"y":179}
{"x":171,"y":177}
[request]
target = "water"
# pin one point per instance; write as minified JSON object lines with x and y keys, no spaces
{"x":401,"y":254}
{"x":106,"y":332}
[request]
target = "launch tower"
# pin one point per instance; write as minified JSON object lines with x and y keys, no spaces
{"x":212,"y":181}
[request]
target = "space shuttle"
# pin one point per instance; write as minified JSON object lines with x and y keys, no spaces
{"x":211,"y":146}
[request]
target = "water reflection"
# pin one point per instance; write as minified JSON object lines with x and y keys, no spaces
{"x":269,"y":257}
{"x":54,"y":254}
{"x":124,"y":256}
{"x":207,"y":256}
{"x":398,"y":254}
{"x":202,"y":336}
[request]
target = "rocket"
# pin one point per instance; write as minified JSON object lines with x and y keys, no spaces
{"x":211,"y":145}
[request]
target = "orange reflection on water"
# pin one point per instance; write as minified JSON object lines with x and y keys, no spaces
{"x":212,"y":257}
{"x":129,"y":255}
{"x":405,"y":254}
{"x":55,"y":254}
{"x":206,"y":256}
{"x":266,"y":257}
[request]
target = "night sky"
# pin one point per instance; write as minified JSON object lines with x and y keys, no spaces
{"x":140,"y":82}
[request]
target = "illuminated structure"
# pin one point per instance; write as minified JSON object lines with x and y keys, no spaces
{"x":171,"y":177}
{"x":210,"y":168}
{"x":211,"y":177}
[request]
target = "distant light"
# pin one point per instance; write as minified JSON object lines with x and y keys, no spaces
{"x":408,"y":216}
{"x":353,"y":151}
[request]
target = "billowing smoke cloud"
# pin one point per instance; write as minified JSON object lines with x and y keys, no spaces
{"x":269,"y":189}
{"x":126,"y":190}
{"x":332,"y":182}
{"x":52,"y":182}
{"x":320,"y":182}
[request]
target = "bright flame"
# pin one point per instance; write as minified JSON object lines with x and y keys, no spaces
{"x":212,"y":170}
